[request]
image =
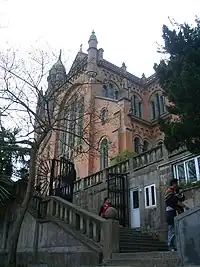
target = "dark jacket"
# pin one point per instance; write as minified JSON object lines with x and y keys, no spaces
{"x":171,"y":202}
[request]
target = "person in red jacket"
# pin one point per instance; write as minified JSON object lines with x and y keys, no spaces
{"x":104,"y":207}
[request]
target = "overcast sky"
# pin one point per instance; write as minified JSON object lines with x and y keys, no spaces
{"x":127,"y":30}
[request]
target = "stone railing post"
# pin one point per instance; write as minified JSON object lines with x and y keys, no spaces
{"x":50,"y":207}
{"x":105,"y":171}
{"x":165,"y":153}
{"x":110,"y":238}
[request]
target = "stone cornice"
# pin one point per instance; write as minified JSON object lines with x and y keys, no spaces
{"x":106,"y":64}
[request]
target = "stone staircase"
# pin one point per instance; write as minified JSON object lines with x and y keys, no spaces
{"x":145,"y":259}
{"x":135,"y":241}
{"x":111,"y":245}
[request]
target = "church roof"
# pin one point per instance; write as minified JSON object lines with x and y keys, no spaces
{"x":81,"y":59}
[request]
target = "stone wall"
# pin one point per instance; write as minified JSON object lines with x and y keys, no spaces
{"x":187,"y":236}
{"x":150,"y":218}
{"x":49,"y":244}
{"x":41,"y":242}
{"x":91,"y":198}
{"x":27,"y":234}
{"x":192,"y":195}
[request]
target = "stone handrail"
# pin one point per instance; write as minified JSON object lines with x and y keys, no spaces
{"x":122,"y":167}
{"x":97,"y":232}
{"x":141,"y":160}
{"x":100,"y":176}
{"x":149,"y":157}
{"x":88,"y":181}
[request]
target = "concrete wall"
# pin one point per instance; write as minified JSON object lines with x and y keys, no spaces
{"x":187,"y":236}
{"x":192,"y":195}
{"x":49,"y":244}
{"x":91,"y":198}
{"x":150,"y":218}
{"x":27,"y":234}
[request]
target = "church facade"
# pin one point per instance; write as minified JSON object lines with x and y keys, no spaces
{"x":106,"y":111}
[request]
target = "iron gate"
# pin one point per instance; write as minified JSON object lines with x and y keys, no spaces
{"x":56,"y":177}
{"x":118,"y":195}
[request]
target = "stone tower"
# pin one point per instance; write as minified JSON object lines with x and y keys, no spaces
{"x":57,"y":75}
{"x":92,"y":55}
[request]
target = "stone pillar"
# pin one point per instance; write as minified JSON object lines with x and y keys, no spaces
{"x":111,"y":239}
{"x":165,"y":153}
{"x":35,"y":243}
{"x":110,"y":234}
{"x":105,"y":174}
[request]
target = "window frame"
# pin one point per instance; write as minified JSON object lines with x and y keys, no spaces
{"x":109,"y":91}
{"x":150,"y":196}
{"x":104,"y":111}
{"x":158,"y":105}
{"x":104,"y":157}
{"x":137,"y":106}
{"x":184,"y":162}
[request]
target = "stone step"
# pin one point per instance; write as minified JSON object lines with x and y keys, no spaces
{"x":145,"y":259}
{"x":143,"y":249}
{"x":134,"y":240}
{"x":132,"y":235}
{"x":137,"y":236}
{"x":142,"y":242}
{"x":146,"y":247}
{"x":132,"y":231}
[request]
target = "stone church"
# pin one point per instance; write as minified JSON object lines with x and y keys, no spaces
{"x":106,"y":110}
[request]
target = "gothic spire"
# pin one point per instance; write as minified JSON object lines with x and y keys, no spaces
{"x":59,"y":58}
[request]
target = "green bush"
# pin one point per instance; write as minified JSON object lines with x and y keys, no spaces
{"x":125,"y":155}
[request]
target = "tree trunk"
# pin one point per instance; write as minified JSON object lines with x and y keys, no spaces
{"x":12,"y":254}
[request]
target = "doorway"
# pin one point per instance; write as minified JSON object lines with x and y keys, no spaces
{"x":135,"y":208}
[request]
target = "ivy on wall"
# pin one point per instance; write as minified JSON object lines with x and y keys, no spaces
{"x":189,"y":184}
{"x":125,"y":155}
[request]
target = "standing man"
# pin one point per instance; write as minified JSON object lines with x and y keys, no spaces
{"x":172,"y":203}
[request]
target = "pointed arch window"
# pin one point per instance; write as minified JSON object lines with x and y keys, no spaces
{"x":137,"y":145}
{"x":145,"y":145}
{"x":110,"y":91}
{"x":160,"y":143}
{"x":158,"y":105}
{"x":137,"y":107}
{"x":104,"y":154}
{"x":116,"y":94}
{"x":104,"y":115}
{"x":105,"y":91}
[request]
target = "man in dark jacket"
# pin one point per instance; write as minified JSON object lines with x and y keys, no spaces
{"x":173,"y":204}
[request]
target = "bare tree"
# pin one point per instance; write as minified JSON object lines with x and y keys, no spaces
{"x":61,"y":113}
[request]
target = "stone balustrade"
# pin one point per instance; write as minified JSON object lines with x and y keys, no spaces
{"x":122,"y":167}
{"x":88,"y":181}
{"x":149,"y":157}
{"x":103,"y":234}
{"x":100,"y":176}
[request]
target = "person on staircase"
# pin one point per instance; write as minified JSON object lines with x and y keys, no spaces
{"x":106,"y":204}
{"x":174,"y":204}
